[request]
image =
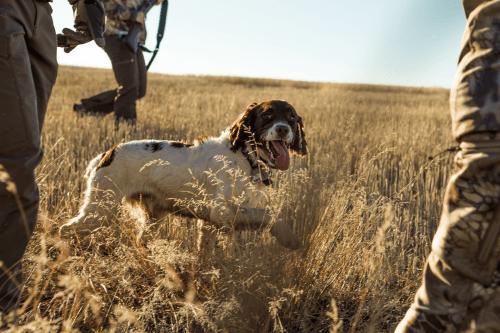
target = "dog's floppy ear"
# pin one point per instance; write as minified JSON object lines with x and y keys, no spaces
{"x":240,"y":130}
{"x":299,"y":144}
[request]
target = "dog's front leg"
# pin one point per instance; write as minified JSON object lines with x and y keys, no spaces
{"x":285,"y":235}
{"x":244,"y":218}
{"x":253,"y":218}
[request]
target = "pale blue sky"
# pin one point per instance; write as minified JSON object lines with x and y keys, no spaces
{"x":408,"y":42}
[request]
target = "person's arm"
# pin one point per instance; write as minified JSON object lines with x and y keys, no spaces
{"x":136,"y":23}
{"x":89,"y":25}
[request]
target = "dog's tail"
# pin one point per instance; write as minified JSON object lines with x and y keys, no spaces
{"x":93,"y":165}
{"x":83,"y":221}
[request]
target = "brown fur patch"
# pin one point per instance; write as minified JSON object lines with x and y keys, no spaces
{"x":178,"y":144}
{"x":154,"y":146}
{"x":107,"y":158}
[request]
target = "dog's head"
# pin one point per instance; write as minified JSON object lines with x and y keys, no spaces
{"x":273,"y":128}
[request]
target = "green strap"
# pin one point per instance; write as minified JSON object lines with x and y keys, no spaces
{"x":161,"y":31}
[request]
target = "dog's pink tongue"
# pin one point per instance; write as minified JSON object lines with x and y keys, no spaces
{"x":282,"y":160}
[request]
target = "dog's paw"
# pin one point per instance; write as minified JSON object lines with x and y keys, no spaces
{"x":74,"y":227}
{"x":285,"y":236}
{"x":66,"y":230}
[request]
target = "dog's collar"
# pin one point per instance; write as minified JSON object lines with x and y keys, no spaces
{"x":260,"y":171}
{"x":260,"y":174}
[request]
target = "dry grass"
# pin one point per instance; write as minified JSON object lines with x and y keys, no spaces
{"x":365,"y":201}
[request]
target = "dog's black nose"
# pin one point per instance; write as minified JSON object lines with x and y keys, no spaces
{"x":282,"y":130}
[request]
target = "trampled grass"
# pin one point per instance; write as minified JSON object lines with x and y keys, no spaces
{"x":365,"y":202}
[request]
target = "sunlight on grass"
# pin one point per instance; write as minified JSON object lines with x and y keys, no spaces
{"x":365,"y":202}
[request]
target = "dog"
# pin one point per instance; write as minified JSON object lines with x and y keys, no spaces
{"x":161,"y":176}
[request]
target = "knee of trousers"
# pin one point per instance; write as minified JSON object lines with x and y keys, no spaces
{"x":130,"y":90}
{"x":466,"y":239}
{"x":18,"y":179}
{"x":19,"y":170}
{"x":141,"y":92}
{"x":475,"y":97}
{"x":18,"y":204}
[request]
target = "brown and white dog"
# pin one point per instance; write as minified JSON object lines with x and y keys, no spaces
{"x":159,"y":175}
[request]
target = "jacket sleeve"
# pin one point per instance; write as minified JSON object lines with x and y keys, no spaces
{"x":89,"y":18}
{"x":117,"y":10}
{"x":80,"y":23}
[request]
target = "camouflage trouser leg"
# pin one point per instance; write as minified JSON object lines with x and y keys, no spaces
{"x":459,"y":292}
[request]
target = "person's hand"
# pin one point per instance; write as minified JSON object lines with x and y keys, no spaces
{"x":89,"y":25}
{"x":69,"y":39}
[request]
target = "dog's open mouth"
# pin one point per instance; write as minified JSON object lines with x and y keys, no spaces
{"x":279,"y":157}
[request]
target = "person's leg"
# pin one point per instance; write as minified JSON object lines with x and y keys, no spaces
{"x":124,"y":63}
{"x":43,"y":59}
{"x":456,"y":283}
{"x":458,"y":278}
{"x":102,"y":103}
{"x":142,"y":71}
{"x":28,"y":68}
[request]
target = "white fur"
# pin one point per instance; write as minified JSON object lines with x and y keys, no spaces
{"x":168,"y":175}
{"x":272,"y":133}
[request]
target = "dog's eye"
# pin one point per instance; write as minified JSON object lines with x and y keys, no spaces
{"x":267,"y":116}
{"x":292,"y":117}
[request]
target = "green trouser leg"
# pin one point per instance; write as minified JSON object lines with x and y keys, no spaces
{"x":28,"y":69}
{"x":129,"y":69}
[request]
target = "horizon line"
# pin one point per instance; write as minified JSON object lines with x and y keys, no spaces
{"x":379,"y":84}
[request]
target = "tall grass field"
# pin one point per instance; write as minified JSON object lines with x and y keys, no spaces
{"x":365,"y":203}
